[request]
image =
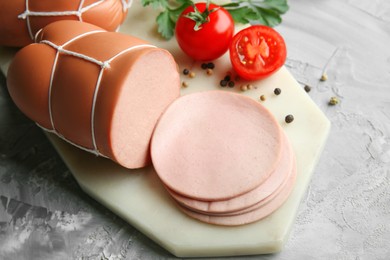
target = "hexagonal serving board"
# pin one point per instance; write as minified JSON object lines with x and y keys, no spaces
{"x":138,"y":196}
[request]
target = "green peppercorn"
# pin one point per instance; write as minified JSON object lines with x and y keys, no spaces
{"x":333,"y":101}
{"x":244,"y":87}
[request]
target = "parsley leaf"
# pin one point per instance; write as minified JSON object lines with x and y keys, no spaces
{"x":165,"y":25}
{"x":155,"y":3}
{"x":169,"y":14}
{"x":267,"y":12}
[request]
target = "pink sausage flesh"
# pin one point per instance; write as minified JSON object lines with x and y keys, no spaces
{"x":252,"y":216}
{"x":251,"y":199}
{"x":215,"y":145}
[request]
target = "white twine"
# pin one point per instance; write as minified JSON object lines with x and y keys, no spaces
{"x":126,"y":4}
{"x":70,"y":142}
{"x":78,"y":13}
{"x":60,"y":49}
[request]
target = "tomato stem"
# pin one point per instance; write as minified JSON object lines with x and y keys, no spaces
{"x":199,"y":17}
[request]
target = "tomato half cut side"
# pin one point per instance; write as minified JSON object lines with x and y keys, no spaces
{"x":257,"y":52}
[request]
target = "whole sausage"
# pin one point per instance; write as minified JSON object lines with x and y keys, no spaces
{"x":20,"y":20}
{"x":101,"y":91}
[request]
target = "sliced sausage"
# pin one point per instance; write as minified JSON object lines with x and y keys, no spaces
{"x":249,"y":216}
{"x":252,"y":199}
{"x":215,"y":145}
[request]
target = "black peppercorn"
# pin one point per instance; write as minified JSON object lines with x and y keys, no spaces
{"x":307,"y":88}
{"x":210,"y":65}
{"x":277,"y":91}
{"x":204,"y":66}
{"x":186,"y":71}
{"x":223,"y":83}
{"x":289,"y":119}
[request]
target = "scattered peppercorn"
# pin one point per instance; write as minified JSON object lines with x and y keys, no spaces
{"x":250,"y":86}
{"x":223,"y":83}
{"x":324,"y":77}
{"x":289,"y":118}
{"x":231,"y":84}
{"x":277,"y":91}
{"x":227,"y":78}
{"x":209,"y":72}
{"x":244,"y":87}
{"x":204,"y":66}
{"x":184,"y":84}
{"x":186,"y":71}
{"x":192,"y":74}
{"x":307,"y":88}
{"x":210,"y":65}
{"x":333,"y":101}
{"x":262,"y":98}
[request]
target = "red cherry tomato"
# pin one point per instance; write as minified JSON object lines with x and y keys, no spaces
{"x":257,"y":52}
{"x":213,"y":38}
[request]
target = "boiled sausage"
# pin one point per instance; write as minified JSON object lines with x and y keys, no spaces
{"x":101,"y":91}
{"x":252,"y":199}
{"x":215,"y":145}
{"x":20,"y":20}
{"x":223,"y":158}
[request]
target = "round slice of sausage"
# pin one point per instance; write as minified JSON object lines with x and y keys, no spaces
{"x":252,"y":216}
{"x":215,"y":145}
{"x":250,"y":200}
{"x":261,"y":203}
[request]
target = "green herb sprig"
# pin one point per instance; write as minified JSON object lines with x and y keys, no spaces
{"x":266,"y":12}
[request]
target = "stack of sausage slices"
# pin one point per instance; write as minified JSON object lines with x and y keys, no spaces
{"x":223,"y":158}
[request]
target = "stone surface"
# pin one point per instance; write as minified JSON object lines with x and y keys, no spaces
{"x":345,"y":212}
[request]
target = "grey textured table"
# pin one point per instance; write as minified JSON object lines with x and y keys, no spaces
{"x":346,"y":211}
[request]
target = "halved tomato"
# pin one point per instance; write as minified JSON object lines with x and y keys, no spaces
{"x":257,"y":52}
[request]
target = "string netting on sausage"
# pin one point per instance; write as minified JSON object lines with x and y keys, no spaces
{"x":78,"y":13}
{"x":60,"y":49}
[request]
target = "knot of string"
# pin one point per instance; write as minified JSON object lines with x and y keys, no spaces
{"x":105,"y":64}
{"x":24,"y":15}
